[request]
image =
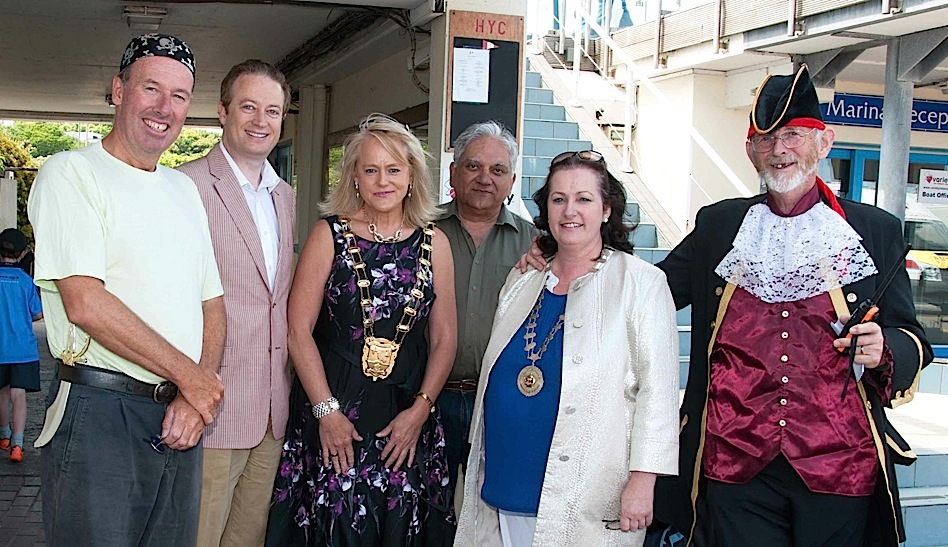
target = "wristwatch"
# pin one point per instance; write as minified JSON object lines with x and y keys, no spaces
{"x":321,"y":410}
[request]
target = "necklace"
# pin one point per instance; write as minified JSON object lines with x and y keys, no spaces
{"x":379,"y":354}
{"x":379,"y":238}
{"x":530,"y":379}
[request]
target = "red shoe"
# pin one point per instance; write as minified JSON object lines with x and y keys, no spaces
{"x":5,"y":444}
{"x":16,"y":454}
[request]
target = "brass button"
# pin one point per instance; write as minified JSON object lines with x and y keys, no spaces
{"x":783,"y":402}
{"x":785,"y":379}
{"x":782,"y":423}
{"x":785,"y":314}
{"x":784,"y":335}
{"x":718,"y":291}
{"x":784,"y":358}
{"x":851,"y":297}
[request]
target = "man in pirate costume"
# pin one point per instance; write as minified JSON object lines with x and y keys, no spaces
{"x":779,"y":445}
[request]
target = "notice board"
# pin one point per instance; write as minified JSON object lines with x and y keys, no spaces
{"x":485,"y":68}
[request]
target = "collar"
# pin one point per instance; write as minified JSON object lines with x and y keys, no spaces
{"x":808,"y":200}
{"x":268,"y":177}
{"x":819,"y":192}
{"x":505,"y":217}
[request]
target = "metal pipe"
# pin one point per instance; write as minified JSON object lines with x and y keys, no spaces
{"x":629,"y":120}
{"x":791,"y":17}
{"x":577,"y":53}
{"x":562,"y":23}
{"x":716,"y":41}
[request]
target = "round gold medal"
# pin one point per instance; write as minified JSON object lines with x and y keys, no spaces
{"x":530,"y":380}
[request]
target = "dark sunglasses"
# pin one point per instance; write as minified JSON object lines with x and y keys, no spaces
{"x":157,"y":443}
{"x":585,"y":155}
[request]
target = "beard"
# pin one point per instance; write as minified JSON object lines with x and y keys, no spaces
{"x":784,"y":184}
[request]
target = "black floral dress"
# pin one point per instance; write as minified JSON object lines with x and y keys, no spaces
{"x":371,"y":504}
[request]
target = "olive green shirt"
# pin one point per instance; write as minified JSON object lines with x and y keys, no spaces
{"x":479,"y":274}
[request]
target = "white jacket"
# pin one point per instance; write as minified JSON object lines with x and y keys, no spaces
{"x":618,"y":409}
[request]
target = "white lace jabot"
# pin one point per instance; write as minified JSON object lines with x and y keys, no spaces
{"x":785,"y":259}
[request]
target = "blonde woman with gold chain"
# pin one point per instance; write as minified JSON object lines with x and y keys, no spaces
{"x":372,"y":335}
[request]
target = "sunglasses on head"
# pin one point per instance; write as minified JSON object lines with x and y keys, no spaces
{"x":585,"y":155}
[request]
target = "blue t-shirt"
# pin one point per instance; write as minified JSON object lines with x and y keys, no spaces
{"x":518,"y":430}
{"x":19,"y":302}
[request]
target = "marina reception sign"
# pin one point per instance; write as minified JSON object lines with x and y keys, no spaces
{"x":866,"y":111}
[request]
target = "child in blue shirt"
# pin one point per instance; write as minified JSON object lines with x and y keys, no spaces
{"x":19,"y":356}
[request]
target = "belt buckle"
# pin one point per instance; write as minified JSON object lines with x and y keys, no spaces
{"x":164,"y":392}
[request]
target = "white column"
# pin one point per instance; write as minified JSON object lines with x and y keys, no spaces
{"x":7,"y":201}
{"x":896,"y":135}
{"x":310,"y":151}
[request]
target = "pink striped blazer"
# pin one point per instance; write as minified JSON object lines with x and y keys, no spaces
{"x":254,"y":366}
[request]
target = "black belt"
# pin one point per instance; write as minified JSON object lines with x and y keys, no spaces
{"x":84,"y":375}
{"x":464,"y":386}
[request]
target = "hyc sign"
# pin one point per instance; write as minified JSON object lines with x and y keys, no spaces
{"x":933,"y":186}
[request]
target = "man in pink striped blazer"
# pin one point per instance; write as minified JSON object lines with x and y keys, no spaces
{"x":251,"y":213}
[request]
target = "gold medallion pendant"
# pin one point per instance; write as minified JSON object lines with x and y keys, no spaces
{"x":530,"y":380}
{"x":379,"y":354}
{"x":378,"y":357}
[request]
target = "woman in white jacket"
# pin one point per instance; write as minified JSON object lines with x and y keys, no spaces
{"x":577,"y":405}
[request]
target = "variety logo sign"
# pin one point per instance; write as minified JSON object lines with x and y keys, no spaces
{"x":933,"y":186}
{"x":866,"y":111}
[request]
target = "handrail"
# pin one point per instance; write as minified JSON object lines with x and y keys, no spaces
{"x":632,"y":72}
{"x":626,"y":130}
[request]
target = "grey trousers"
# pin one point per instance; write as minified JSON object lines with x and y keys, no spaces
{"x":104,"y":484}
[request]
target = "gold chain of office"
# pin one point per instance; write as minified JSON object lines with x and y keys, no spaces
{"x":379,"y":354}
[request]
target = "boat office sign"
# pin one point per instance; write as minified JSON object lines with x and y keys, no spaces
{"x":866,"y":111}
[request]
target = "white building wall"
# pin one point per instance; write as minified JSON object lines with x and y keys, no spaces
{"x":383,"y":87}
{"x":725,"y":129}
{"x":661,"y":146}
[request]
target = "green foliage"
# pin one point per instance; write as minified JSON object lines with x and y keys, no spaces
{"x":191,"y":145}
{"x":15,"y":154}
{"x":335,"y":166}
{"x":44,"y":138}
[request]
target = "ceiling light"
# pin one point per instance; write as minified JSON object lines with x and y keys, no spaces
{"x":143,"y":17}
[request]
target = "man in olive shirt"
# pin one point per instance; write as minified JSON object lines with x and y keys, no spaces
{"x":486,"y":240}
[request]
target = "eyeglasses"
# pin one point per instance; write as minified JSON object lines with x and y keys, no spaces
{"x":157,"y":443}
{"x":790,"y":139}
{"x":587,"y":155}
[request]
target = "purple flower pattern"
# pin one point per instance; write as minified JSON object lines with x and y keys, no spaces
{"x":320,"y":499}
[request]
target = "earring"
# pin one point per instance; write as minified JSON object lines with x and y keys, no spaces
{"x":356,"y":182}
{"x":605,"y":220}
{"x":409,"y":190}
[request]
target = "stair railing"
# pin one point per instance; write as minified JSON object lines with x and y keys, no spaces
{"x":619,"y":55}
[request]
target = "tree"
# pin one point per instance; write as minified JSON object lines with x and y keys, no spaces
{"x":44,"y":138}
{"x":15,"y":154}
{"x":191,"y":145}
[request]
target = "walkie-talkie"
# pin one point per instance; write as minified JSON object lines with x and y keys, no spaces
{"x":868,"y":308}
{"x":866,"y":311}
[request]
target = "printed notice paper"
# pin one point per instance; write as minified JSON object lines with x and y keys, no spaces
{"x":471,"y":75}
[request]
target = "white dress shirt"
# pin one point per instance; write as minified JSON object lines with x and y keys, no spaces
{"x":262,"y":210}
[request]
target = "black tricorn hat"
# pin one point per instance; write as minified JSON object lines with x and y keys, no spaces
{"x":781,"y":100}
